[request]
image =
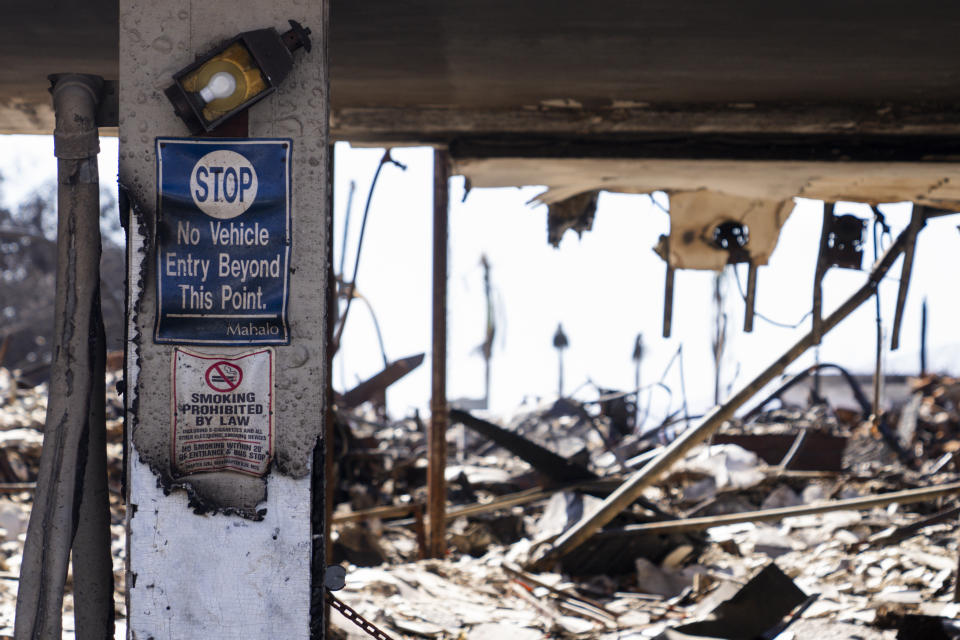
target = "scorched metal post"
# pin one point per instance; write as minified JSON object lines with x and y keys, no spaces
{"x":436,"y":484}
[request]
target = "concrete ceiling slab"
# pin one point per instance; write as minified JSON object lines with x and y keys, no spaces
{"x":483,"y":55}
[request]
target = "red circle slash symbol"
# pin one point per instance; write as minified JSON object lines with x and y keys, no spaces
{"x":224,"y":376}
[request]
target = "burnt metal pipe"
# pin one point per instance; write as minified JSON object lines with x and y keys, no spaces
{"x":71,"y":506}
{"x":855,"y":388}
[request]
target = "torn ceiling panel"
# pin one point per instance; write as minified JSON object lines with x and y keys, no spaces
{"x":706,"y":193}
{"x":695,"y":215}
{"x":935,"y":184}
{"x":574,"y":213}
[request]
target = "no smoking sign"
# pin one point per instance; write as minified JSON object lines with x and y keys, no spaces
{"x":222,"y":413}
{"x":223,"y":376}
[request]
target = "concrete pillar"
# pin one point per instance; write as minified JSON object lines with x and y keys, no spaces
{"x":223,"y":555}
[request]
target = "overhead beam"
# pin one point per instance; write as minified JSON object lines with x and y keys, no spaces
{"x":434,"y":125}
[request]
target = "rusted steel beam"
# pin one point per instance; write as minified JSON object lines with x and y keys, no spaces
{"x":437,"y":463}
{"x":634,"y":486}
{"x":501,"y":502}
{"x":908,"y":496}
{"x":420,"y":530}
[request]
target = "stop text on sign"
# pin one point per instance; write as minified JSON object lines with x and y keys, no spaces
{"x":223,"y":183}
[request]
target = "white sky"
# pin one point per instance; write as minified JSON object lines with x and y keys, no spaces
{"x":604,"y":287}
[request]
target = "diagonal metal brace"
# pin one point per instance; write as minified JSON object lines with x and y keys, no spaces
{"x":822,"y":266}
{"x":917,"y":220}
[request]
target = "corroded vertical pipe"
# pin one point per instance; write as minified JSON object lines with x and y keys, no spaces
{"x":436,"y":485}
{"x":71,"y":505}
{"x":668,"y":292}
{"x":750,"y":302}
{"x":923,"y":348}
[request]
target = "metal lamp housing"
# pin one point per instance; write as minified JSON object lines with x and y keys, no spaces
{"x":270,"y":55}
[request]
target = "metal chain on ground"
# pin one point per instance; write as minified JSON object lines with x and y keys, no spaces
{"x":356,"y":618}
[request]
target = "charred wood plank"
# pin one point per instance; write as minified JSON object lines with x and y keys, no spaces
{"x":372,"y":387}
{"x":548,"y":463}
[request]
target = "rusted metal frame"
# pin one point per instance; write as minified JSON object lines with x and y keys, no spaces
{"x":502,"y":502}
{"x":71,"y":504}
{"x":437,"y":462}
{"x":668,"y":291}
{"x":908,"y":496}
{"x":420,"y":530}
{"x":917,"y":220}
{"x":821,"y":271}
{"x":634,"y":486}
{"x":750,"y":303}
{"x":388,"y":511}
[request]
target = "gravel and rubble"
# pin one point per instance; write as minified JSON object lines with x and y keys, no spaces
{"x":22,"y":414}
{"x":864,"y":582}
{"x":868,"y":574}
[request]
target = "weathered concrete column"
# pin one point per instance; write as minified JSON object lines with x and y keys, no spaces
{"x":220,"y":554}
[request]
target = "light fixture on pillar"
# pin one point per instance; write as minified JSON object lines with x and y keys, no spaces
{"x":234,"y":76}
